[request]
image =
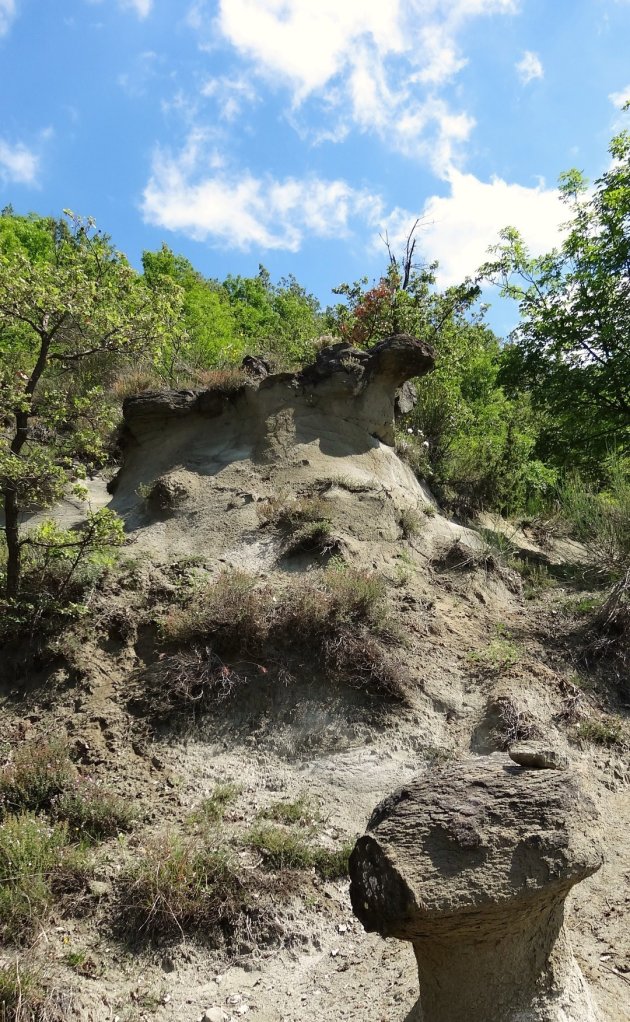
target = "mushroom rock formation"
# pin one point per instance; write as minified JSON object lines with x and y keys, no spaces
{"x":472,"y":863}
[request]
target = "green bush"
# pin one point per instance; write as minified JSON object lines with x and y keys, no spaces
{"x":37,"y":866}
{"x":37,"y":774}
{"x":607,"y":732}
{"x":93,"y":813}
{"x":600,"y":518}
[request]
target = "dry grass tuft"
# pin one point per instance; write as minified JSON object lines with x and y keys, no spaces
{"x":610,"y":631}
{"x":186,"y":885}
{"x":232,"y":630}
{"x":136,"y":381}
{"x":225,"y":381}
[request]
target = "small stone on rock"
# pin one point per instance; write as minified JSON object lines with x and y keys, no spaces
{"x":213,"y":1015}
{"x":538,"y":757}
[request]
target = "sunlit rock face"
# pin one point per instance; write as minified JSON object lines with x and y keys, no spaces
{"x":193,"y":459}
{"x":472,"y":863}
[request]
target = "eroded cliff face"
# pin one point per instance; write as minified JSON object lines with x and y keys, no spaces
{"x":192,"y":456}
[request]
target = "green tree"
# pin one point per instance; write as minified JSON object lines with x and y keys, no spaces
{"x":70,"y":305}
{"x":210,"y":335}
{"x":403,"y":300}
{"x":571,"y":349}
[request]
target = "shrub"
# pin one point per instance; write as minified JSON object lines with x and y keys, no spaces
{"x":600,"y":519}
{"x":341,"y":618}
{"x":232,"y":610}
{"x":607,"y":732}
{"x":36,"y":866}
{"x":37,"y":774}
{"x":93,"y":813}
{"x":181,"y":887}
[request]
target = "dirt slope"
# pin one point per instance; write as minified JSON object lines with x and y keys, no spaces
{"x":204,"y":489}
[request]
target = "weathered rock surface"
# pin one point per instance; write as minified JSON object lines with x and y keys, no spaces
{"x":538,"y":756}
{"x":472,"y":863}
{"x":195,"y":458}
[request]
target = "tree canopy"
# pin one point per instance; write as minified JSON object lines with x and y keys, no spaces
{"x":71,"y":308}
{"x":571,"y":349}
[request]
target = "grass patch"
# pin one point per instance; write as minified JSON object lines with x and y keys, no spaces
{"x":294,"y":514}
{"x":536,"y":577}
{"x":333,"y":864}
{"x":499,"y":655}
{"x":22,"y":998}
{"x":185,"y":886}
{"x":282,"y":849}
{"x":214,"y":645}
{"x":37,"y":774}
{"x":213,"y":809}
{"x":93,"y":813}
{"x":37,"y":867}
{"x":607,"y":732}
{"x":410,"y":523}
{"x":300,"y":810}
{"x":306,"y":522}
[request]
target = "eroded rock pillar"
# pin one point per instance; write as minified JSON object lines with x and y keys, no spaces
{"x":472,"y":863}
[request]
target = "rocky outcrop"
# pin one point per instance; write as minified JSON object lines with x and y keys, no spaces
{"x":472,"y":863}
{"x":358,"y":386}
{"x":193,"y":458}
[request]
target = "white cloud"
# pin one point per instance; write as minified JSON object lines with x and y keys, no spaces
{"x":529,"y":67}
{"x":458,"y":229}
{"x":141,"y":7}
{"x":193,"y":193}
{"x":231,"y":94}
{"x":377,"y":66}
{"x":8,"y":12}
{"x":619,"y":99}
{"x":18,"y":164}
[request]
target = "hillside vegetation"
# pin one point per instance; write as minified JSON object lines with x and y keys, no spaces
{"x":339,"y":546}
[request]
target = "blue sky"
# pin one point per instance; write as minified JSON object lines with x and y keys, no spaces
{"x":295,"y":132}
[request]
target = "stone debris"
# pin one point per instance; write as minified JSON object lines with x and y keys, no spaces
{"x":537,"y":756}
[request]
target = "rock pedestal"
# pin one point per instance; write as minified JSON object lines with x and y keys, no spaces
{"x":472,"y":863}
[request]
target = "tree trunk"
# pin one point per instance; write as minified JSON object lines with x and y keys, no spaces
{"x":11,"y":528}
